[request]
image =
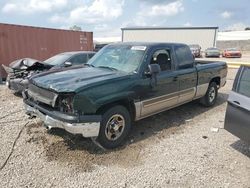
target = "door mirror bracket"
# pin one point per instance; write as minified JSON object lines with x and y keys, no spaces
{"x":154,"y":69}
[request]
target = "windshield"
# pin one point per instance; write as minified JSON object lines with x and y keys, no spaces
{"x":194,"y":46}
{"x":125,"y":58}
{"x":232,"y":49}
{"x":212,"y":49}
{"x":57,"y":59}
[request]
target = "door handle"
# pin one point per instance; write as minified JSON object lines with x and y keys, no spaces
{"x":175,"y":78}
{"x":236,"y":102}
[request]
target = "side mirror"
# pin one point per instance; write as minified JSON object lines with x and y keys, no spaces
{"x":154,"y":69}
{"x":67,"y":64}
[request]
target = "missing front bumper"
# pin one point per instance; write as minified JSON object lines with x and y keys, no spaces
{"x":86,"y":129}
{"x":17,"y":85}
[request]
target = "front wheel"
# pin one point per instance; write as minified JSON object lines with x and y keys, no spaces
{"x":211,"y":95}
{"x":115,"y":126}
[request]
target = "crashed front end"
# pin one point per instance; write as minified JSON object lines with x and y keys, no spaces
{"x":21,"y":70}
{"x":18,"y":81}
{"x":56,"y":110}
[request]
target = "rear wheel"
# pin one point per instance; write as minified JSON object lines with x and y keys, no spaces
{"x":115,"y":126}
{"x":211,"y":95}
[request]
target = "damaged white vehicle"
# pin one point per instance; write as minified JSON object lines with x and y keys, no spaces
{"x":21,"y":70}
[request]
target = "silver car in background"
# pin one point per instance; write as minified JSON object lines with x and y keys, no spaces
{"x":212,"y":52}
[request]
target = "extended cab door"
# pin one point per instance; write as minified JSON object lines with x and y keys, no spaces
{"x":237,"y":120}
{"x":164,"y":94}
{"x":187,"y":73}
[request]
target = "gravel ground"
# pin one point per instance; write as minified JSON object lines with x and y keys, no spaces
{"x":172,"y":149}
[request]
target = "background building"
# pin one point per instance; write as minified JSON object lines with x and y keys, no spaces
{"x":18,"y":42}
{"x":204,"y":36}
{"x":100,"y":42}
{"x":234,"y":39}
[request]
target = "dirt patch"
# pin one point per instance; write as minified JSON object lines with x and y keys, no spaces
{"x":74,"y":150}
{"x":33,"y":127}
{"x":83,"y":153}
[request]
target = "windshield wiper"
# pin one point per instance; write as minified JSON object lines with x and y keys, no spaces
{"x":111,"y":68}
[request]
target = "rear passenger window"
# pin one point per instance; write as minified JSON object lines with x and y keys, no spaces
{"x":244,"y":82}
{"x":184,"y":57}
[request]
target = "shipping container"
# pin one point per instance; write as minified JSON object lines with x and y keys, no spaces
{"x":17,"y":41}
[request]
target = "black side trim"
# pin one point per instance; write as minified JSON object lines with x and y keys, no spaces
{"x":65,"y":117}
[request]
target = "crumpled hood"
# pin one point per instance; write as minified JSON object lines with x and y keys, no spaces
{"x":26,"y":64}
{"x":23,"y":64}
{"x":74,"y":80}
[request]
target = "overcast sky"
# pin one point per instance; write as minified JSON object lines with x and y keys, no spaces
{"x":106,"y":17}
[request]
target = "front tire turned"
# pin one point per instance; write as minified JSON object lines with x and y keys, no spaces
{"x":115,"y":127}
{"x":211,"y":95}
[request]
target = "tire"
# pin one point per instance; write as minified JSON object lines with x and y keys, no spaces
{"x":211,"y":95}
{"x":112,"y":133}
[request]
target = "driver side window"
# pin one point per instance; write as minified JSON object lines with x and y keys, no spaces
{"x":79,"y":59}
{"x":162,"y":58}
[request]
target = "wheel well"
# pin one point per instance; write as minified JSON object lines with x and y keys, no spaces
{"x":129,"y":105}
{"x":216,"y":80}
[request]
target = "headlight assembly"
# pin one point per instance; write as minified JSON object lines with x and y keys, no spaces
{"x":65,"y":103}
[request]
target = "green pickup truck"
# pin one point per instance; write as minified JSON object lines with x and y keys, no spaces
{"x":122,"y":83}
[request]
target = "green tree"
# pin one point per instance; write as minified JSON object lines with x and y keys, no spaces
{"x":75,"y":28}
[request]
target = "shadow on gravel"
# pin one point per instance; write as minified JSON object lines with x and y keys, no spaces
{"x":17,"y":94}
{"x":242,"y":147}
{"x":75,"y":150}
{"x":171,"y":121}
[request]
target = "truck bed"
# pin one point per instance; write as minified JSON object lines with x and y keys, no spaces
{"x":208,"y":69}
{"x":202,"y":62}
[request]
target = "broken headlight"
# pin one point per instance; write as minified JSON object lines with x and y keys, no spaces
{"x":65,"y":103}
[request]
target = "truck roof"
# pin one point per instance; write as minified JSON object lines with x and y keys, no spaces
{"x":148,"y":44}
{"x":77,"y":52}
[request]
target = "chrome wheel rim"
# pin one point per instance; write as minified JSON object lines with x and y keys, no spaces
{"x":211,"y":94}
{"x":115,"y":127}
